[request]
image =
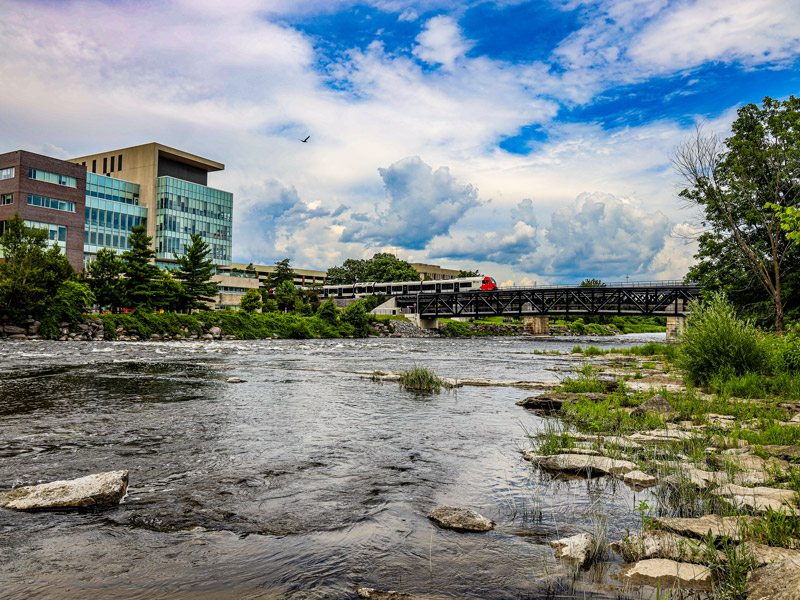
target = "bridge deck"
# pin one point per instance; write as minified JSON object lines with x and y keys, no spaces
{"x":634,"y":300}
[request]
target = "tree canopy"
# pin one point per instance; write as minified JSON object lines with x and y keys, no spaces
{"x":104,"y":279}
{"x":741,"y":185}
{"x":141,"y":285}
{"x":474,"y":273}
{"x":380,"y":268}
{"x":195,"y":270}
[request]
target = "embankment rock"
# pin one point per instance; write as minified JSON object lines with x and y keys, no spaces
{"x":757,"y":499}
{"x":577,"y":549}
{"x":731,"y":527}
{"x":581,"y":464}
{"x":460,"y":519}
{"x":778,"y":581}
{"x":668,"y":573}
{"x":92,"y":490}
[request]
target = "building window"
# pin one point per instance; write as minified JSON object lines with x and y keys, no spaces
{"x":49,"y":177}
{"x":52,"y":203}
{"x":112,"y":165}
{"x":119,"y":162}
{"x":56,"y":233}
{"x":105,"y":165}
{"x":94,"y":166}
{"x":7,"y":173}
{"x":6,"y":199}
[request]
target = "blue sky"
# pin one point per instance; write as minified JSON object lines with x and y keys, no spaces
{"x":530,"y":140}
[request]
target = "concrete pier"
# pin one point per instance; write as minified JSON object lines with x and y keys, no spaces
{"x":675,"y":327}
{"x":536,"y":325}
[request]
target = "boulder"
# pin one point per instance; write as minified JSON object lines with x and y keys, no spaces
{"x":18,"y":336}
{"x":784,"y":452}
{"x":657,"y":405}
{"x":554,"y":401}
{"x":92,"y":490}
{"x":215,"y":331}
{"x":757,"y":499}
{"x":639,"y":479}
{"x":577,"y":549}
{"x":731,"y":527}
{"x":668,"y":574}
{"x":460,"y":519}
{"x":764,"y":555}
{"x":581,"y":464}
{"x":234,"y":380}
{"x":13,"y":329}
{"x":778,"y":581}
{"x":662,"y":544}
{"x":700,"y":478}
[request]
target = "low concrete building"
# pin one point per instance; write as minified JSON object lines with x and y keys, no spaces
{"x":428,"y":272}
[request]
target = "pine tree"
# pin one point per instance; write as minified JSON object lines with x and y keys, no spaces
{"x":141,"y":274}
{"x":104,"y":279}
{"x":195,"y":271}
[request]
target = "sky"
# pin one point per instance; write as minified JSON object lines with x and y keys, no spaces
{"x":528,"y":140}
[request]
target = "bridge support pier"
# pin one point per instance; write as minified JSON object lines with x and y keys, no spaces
{"x":423,"y":323}
{"x":675,"y":327}
{"x":536,"y":325}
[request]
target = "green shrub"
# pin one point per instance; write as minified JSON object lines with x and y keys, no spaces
{"x":456,"y":329}
{"x":717,"y":343}
{"x":67,"y":305}
{"x":251,"y":301}
{"x":578,"y":326}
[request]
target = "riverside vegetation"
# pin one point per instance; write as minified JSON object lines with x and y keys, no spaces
{"x":710,"y":428}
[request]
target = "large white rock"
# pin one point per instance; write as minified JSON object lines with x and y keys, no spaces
{"x":578,"y":549}
{"x":732,"y":527}
{"x":764,"y":555}
{"x":582,"y":464}
{"x":668,"y":574}
{"x":460,"y":519}
{"x":758,"y":499}
{"x":639,"y":479}
{"x":778,"y":581}
{"x":662,"y":544}
{"x":92,"y":490}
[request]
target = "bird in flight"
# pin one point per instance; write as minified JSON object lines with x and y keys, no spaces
{"x":305,"y":140}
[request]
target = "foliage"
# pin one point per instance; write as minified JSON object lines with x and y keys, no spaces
{"x":195,"y":270}
{"x":742,"y":187}
{"x":328,"y":312}
{"x":789,"y":217}
{"x":421,"y":379}
{"x":456,"y":329}
{"x":356,"y":315}
{"x":67,"y":305}
{"x":167,"y":292}
{"x":286,"y":296}
{"x":718,"y":344}
{"x":251,"y":301}
{"x":592,"y":282}
{"x":104,"y":279}
{"x":31,"y":272}
{"x":381,"y":267}
{"x":474,"y":273}
{"x":141,"y":275}
{"x":283,"y":272}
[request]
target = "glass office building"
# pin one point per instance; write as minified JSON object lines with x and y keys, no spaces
{"x":112,"y":209}
{"x":184,"y":208}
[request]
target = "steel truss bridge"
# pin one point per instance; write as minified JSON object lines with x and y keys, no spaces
{"x":667,"y":299}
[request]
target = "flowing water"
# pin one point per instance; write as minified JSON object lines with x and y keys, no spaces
{"x":307,"y":480}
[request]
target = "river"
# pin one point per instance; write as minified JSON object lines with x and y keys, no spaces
{"x":306,"y":480}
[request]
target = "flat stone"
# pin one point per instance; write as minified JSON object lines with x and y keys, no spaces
{"x":757,"y":499}
{"x":668,"y":574}
{"x":784,"y":452}
{"x":11,"y":329}
{"x":554,"y":401}
{"x":92,"y":490}
{"x":657,"y":405}
{"x":751,"y":469}
{"x":460,"y":519}
{"x":764,"y":555}
{"x":374,"y":594}
{"x":583,"y":465}
{"x":731,"y":527}
{"x":18,"y":336}
{"x":778,"y":581}
{"x":700,"y":478}
{"x":639,"y":479}
{"x":235,"y":380}
{"x":577,"y":549}
{"x":522,"y":385}
{"x":662,"y":544}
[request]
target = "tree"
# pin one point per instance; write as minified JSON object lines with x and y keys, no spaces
{"x":286,"y":296}
{"x":195,"y":270}
{"x":68,"y":304}
{"x":381,"y":267}
{"x":474,"y":273}
{"x":356,"y":314}
{"x":168,"y":292}
{"x":283,"y":272}
{"x":790,"y":220}
{"x":592,"y":282}
{"x":31,"y":272}
{"x":141,"y":274}
{"x":328,"y":312}
{"x":250,"y":302}
{"x":104,"y":279}
{"x":732,"y":182}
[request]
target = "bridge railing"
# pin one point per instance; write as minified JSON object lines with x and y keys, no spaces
{"x":613,"y":284}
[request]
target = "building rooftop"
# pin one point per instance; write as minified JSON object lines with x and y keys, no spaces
{"x":160,"y":150}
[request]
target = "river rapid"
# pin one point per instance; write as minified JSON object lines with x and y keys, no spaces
{"x":307,"y":480}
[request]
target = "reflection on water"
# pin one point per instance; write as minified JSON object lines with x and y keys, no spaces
{"x":306,"y":481}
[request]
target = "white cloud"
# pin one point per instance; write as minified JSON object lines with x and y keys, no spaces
{"x":441,"y":42}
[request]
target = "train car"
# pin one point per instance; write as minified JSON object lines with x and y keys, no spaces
{"x":403,"y":288}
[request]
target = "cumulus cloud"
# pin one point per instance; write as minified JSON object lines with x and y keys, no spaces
{"x":422,"y":203}
{"x":441,"y":42}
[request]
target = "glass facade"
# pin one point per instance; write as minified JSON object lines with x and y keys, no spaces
{"x":56,"y":233}
{"x":7,"y":173}
{"x":184,"y":208}
{"x":49,"y":177}
{"x":112,"y":209}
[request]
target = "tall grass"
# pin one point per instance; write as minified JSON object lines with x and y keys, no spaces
{"x":422,"y":379}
